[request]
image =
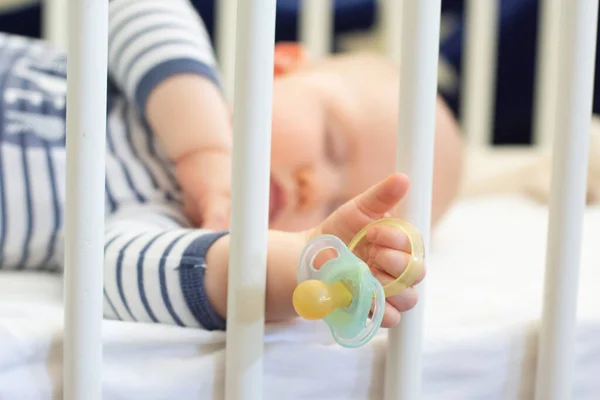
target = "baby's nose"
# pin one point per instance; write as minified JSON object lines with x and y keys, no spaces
{"x":312,"y":188}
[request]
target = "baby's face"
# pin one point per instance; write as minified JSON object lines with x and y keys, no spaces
{"x":334,"y":135}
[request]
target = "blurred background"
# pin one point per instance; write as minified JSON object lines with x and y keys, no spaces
{"x":356,"y":27}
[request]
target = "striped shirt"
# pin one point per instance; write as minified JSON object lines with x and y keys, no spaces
{"x":154,"y":262}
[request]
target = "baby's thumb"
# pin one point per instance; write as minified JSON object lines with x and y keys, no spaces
{"x":384,"y":196}
{"x":364,"y":208}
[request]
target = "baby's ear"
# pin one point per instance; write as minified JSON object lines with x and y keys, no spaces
{"x":288,"y":57}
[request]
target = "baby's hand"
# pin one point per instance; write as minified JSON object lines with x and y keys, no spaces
{"x":205,"y":180}
{"x":385,"y":249}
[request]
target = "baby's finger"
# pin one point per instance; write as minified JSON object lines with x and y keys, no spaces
{"x":382,"y":197}
{"x":398,"y":304}
{"x":405,"y":300}
{"x":384,"y":278}
{"x":391,"y":317}
{"x":391,"y":262}
{"x":389,"y":236}
{"x":216,"y":214}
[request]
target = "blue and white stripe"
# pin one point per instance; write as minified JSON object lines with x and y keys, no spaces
{"x":150,"y":40}
{"x":144,"y":258}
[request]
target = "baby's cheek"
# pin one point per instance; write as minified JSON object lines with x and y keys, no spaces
{"x":296,"y":146}
{"x":293,"y":157}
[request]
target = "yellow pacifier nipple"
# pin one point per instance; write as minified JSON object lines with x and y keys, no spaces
{"x":315,"y":299}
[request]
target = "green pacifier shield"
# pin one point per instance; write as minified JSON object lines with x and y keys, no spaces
{"x":350,"y":326}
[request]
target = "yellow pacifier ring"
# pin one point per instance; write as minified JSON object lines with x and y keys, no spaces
{"x":416,"y":265}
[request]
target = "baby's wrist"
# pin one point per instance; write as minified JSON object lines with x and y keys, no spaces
{"x":284,"y":250}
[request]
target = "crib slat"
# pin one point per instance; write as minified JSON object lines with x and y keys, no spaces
{"x":55,"y":22}
{"x":250,"y":198}
{"x":575,"y":83}
{"x":416,"y":132}
{"x":547,"y":67}
{"x":481,"y":41}
{"x":316,"y":26}
{"x":225,"y":18}
{"x":84,"y":226}
{"x":390,"y":19}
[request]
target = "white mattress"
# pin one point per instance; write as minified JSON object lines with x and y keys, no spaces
{"x":483,"y":303}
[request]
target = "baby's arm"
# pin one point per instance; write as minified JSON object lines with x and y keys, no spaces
{"x":157,"y":271}
{"x":154,"y":269}
{"x":160,"y":57}
{"x":384,"y":249}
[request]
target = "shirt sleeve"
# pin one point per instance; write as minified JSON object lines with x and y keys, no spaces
{"x":152,"y":40}
{"x":154,"y":269}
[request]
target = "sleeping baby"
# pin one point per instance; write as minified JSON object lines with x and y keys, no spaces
{"x":168,"y":155}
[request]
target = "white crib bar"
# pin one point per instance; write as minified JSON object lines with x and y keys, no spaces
{"x":316,"y":26}
{"x":225,"y":25}
{"x":250,"y":198}
{"x":416,"y":132}
{"x":390,"y":19}
{"x":547,"y":67}
{"x":55,"y":22}
{"x":84,"y":226}
{"x":479,"y":66}
{"x":575,"y":83}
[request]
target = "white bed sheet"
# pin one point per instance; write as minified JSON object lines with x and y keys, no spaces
{"x":483,"y":303}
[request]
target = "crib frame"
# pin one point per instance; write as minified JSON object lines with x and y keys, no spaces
{"x":569,"y":28}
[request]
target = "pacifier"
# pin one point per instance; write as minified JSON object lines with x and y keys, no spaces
{"x":343,"y":292}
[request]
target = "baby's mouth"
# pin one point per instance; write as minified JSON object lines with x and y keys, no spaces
{"x":276,"y":200}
